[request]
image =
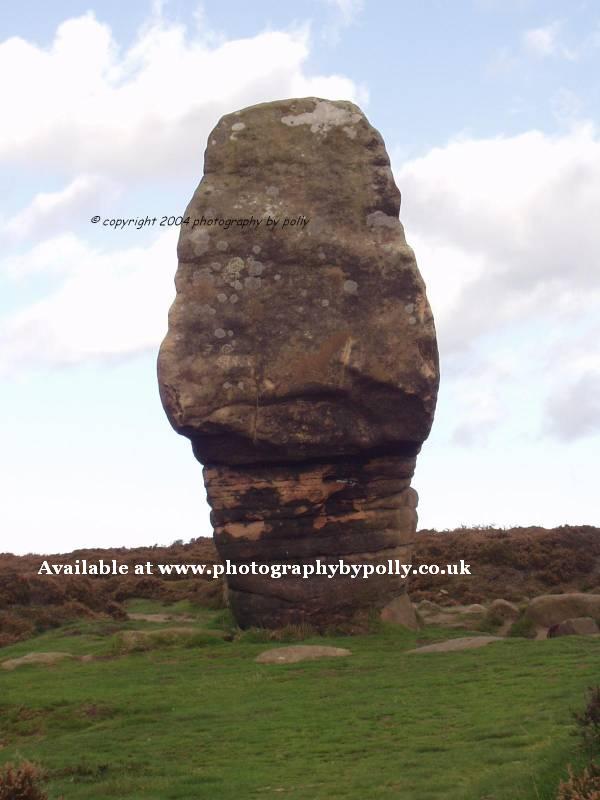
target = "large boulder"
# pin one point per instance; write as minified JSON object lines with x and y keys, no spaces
{"x":551,"y":609}
{"x":301,"y":357}
{"x":503,"y":610}
{"x":458,"y":616}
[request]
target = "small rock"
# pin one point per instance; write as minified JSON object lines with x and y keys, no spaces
{"x":475,"y":609}
{"x":46,"y":659}
{"x":552,"y":609}
{"x":299,"y":652}
{"x":504,"y":610}
{"x":426,"y":606}
{"x":401,"y":612}
{"x":464,"y":643}
{"x":578,"y":626}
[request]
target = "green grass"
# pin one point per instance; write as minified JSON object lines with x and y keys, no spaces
{"x":200,"y":719}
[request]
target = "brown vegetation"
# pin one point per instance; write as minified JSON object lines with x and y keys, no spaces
{"x":21,"y":782}
{"x":585,"y":786}
{"x":513,"y":564}
{"x":31,"y":603}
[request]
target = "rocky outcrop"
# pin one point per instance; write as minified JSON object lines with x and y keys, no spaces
{"x":301,"y":358}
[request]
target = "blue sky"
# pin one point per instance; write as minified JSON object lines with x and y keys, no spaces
{"x":490,"y":113}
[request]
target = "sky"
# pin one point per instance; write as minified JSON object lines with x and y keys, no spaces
{"x":490,"y":112}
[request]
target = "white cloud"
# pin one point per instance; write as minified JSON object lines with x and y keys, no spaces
{"x":348,"y":10}
{"x":82,"y":105}
{"x":346,"y":13}
{"x":542,"y":41}
{"x":51,"y":212}
{"x":506,"y":237}
{"x":545,"y":41}
{"x":110,"y":304}
{"x":567,"y":106}
{"x":59,"y":255}
{"x":574,"y":410}
{"x":105,"y":118}
{"x":504,"y":228}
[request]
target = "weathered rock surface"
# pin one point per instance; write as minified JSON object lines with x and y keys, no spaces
{"x":579,"y":626}
{"x":552,"y":609}
{"x":301,"y":361}
{"x":504,"y":610}
{"x":451,"y":616}
{"x":401,"y":612}
{"x":45,"y":659}
{"x":300,"y":652}
{"x":452,"y":645}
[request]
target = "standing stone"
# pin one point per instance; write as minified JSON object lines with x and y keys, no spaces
{"x":301,"y":358}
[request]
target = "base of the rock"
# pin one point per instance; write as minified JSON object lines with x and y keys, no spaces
{"x":339,"y":517}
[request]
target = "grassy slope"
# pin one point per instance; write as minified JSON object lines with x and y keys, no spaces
{"x":206,"y":721}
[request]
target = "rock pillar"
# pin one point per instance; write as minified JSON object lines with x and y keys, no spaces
{"x":301,"y":358}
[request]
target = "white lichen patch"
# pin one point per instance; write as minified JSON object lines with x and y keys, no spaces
{"x":256,"y":249}
{"x":222,"y":298}
{"x":412,"y":320}
{"x":409,"y":308}
{"x":234,"y":268}
{"x":380,"y":220}
{"x":255,"y":268}
{"x":222,"y":245}
{"x":199,"y":241}
{"x":324,"y":117}
{"x":350,"y":287}
{"x":220,"y":333}
{"x":236,"y":128}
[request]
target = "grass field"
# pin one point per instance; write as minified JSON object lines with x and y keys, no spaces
{"x":198,"y":718}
